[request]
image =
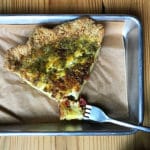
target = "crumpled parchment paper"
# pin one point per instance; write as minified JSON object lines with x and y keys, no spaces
{"x":106,"y":87}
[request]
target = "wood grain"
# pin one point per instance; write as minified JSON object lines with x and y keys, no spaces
{"x":50,"y":6}
{"x":140,"y":8}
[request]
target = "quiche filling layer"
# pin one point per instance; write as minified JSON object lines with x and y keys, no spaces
{"x":59,"y":68}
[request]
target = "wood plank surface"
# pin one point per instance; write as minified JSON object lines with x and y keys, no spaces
{"x":140,"y":8}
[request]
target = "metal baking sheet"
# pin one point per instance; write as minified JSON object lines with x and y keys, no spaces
{"x":132,"y":35}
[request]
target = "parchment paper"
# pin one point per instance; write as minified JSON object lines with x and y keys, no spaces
{"x":106,"y":87}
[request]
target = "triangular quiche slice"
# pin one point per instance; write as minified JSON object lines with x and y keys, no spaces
{"x":58,"y":62}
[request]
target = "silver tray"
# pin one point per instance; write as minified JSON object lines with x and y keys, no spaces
{"x":134,"y":60}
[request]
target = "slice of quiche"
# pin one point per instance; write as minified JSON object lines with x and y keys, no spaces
{"x":58,"y":61}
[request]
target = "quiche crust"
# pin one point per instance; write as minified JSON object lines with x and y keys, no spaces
{"x":58,"y":61}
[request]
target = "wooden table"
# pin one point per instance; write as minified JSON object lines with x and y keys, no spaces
{"x":140,"y":8}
